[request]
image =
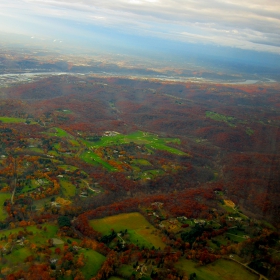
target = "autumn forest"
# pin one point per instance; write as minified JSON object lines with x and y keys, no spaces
{"x":131,"y":178}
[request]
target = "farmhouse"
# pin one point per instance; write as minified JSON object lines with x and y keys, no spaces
{"x":110,"y":133}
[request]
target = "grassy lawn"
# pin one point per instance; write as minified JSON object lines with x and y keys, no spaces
{"x":138,"y":137}
{"x":3,"y":197}
{"x":163,"y":147}
{"x":126,"y":271}
{"x":35,"y":184}
{"x":39,"y":236}
{"x":151,"y":173}
{"x":94,"y":261}
{"x":56,"y":131}
{"x":249,"y":131}
{"x":141,"y":161}
{"x":221,"y":118}
{"x":68,"y":189}
{"x":237,"y":238}
{"x":36,"y":150}
{"x":219,"y":270}
{"x":138,"y":228}
{"x":91,"y":158}
{"x":74,"y":143}
{"x":53,"y":153}
{"x":16,"y":257}
{"x":11,"y":120}
{"x":68,"y":167}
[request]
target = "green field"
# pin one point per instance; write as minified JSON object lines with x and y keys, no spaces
{"x":221,"y":118}
{"x":11,"y":120}
{"x":94,"y":261}
{"x":68,"y":189}
{"x":140,"y":162}
{"x":151,"y":173}
{"x":249,"y":131}
{"x":91,"y":158}
{"x":126,"y":271}
{"x":17,"y":257}
{"x":3,"y":197}
{"x":34,"y":184}
{"x":68,"y":167}
{"x":138,"y":229}
{"x":56,"y":131}
{"x":151,"y":141}
{"x":219,"y":270}
{"x":39,"y":235}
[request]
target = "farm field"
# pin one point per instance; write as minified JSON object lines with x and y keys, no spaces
{"x":11,"y":120}
{"x":219,"y":270}
{"x":91,"y":158}
{"x":140,"y":231}
{"x":68,"y":189}
{"x":94,"y":261}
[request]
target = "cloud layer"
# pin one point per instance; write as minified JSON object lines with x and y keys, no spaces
{"x":251,"y":24}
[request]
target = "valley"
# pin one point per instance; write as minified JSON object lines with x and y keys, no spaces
{"x":118,"y":178}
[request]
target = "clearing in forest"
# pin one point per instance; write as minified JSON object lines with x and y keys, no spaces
{"x":150,"y":140}
{"x":229,"y":203}
{"x":140,"y":231}
{"x":219,"y":270}
{"x":3,"y":213}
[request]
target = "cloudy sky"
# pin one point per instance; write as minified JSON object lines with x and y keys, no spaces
{"x":250,"y":25}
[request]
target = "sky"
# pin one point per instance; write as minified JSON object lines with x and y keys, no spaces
{"x":252,"y":25}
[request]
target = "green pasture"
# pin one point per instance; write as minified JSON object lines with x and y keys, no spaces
{"x":151,"y":173}
{"x":219,"y":270}
{"x":30,"y":187}
{"x":57,"y":146}
{"x":68,"y":189}
{"x":68,"y":167}
{"x":138,"y":228}
{"x":17,"y":256}
{"x":41,"y":202}
{"x":126,"y":271}
{"x":221,"y":118}
{"x":249,"y":131}
{"x":91,"y":158}
{"x":53,"y":153}
{"x":93,"y":263}
{"x":35,"y":184}
{"x":36,"y":150}
{"x":138,"y":137}
{"x":235,"y":237}
{"x":11,"y":120}
{"x":56,"y":131}
{"x":20,"y":252}
{"x":74,"y":143}
{"x":266,"y":224}
{"x":141,"y":161}
{"x":3,"y":197}
{"x":39,"y":235}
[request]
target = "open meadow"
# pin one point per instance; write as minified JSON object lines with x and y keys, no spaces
{"x":140,"y":231}
{"x":219,"y":270}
